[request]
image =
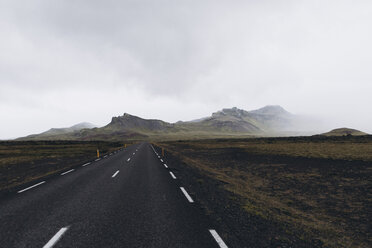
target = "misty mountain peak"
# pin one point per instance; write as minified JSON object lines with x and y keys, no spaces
{"x":271,"y":110}
{"x":83,"y":125}
{"x":234,"y":111}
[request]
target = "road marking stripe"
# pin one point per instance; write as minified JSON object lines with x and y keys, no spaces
{"x":31,"y":187}
{"x":105,"y":156}
{"x":171,"y":173}
{"x":128,"y":159}
{"x":55,"y":238}
{"x":218,"y":238}
{"x":134,"y":153}
{"x":115,"y":174}
{"x":166,"y":166}
{"x":86,"y":164}
{"x":187,"y":195}
{"x":64,"y":173}
{"x":98,"y":159}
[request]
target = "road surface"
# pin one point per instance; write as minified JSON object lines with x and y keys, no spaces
{"x":130,"y":198}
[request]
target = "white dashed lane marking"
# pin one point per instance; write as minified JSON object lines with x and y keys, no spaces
{"x":218,"y":238}
{"x":213,"y":232}
{"x":173,"y":176}
{"x":33,"y":186}
{"x":115,"y":174}
{"x":86,"y":164}
{"x":55,"y":238}
{"x":64,"y":173}
{"x":186,"y":195}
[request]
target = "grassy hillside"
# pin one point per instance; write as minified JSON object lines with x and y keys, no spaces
{"x":344,"y":132}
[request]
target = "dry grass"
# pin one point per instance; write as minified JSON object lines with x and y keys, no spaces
{"x":22,"y":162}
{"x":345,"y":148}
{"x":295,"y":181}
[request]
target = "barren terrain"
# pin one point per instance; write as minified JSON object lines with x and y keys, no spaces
{"x":316,"y":190}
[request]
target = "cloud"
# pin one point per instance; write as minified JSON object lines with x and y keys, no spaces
{"x":312,"y":57}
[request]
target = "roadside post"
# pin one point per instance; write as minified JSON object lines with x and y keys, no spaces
{"x":162,"y":152}
{"x":97,"y":153}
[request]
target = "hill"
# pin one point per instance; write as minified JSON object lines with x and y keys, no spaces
{"x":58,"y":132}
{"x":344,"y":132}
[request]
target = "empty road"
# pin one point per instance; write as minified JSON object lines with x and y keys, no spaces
{"x":130,"y":198}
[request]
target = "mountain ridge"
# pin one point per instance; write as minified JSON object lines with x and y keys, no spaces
{"x":60,"y":131}
{"x":269,"y":120}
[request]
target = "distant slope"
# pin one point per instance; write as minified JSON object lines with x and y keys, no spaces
{"x":269,"y":120}
{"x":134,"y":123}
{"x":273,"y":118}
{"x":58,"y":132}
{"x":77,"y":127}
{"x":344,"y":132}
{"x":232,"y":120}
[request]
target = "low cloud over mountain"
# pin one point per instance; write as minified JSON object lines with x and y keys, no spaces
{"x":266,"y":121}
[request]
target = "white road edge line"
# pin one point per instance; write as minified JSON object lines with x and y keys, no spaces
{"x":187,"y":195}
{"x":64,"y":173}
{"x":98,"y":159}
{"x":166,"y":166}
{"x":86,"y":164}
{"x":171,"y":173}
{"x":23,"y":190}
{"x":128,"y":160}
{"x":55,"y":238}
{"x":218,"y":238}
{"x":115,"y":174}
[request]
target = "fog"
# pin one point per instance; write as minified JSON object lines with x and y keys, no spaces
{"x":65,"y":62}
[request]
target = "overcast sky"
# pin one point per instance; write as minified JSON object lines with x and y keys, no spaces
{"x":64,"y":62}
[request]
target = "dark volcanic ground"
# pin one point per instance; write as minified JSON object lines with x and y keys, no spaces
{"x":310,"y":202}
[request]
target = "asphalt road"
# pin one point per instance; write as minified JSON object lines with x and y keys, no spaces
{"x":128,"y":199}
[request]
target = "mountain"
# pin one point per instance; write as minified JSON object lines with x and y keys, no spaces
{"x":344,"y":132}
{"x":226,"y":121}
{"x":134,"y":123}
{"x":269,"y":120}
{"x":58,"y":132}
{"x":273,"y":118}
